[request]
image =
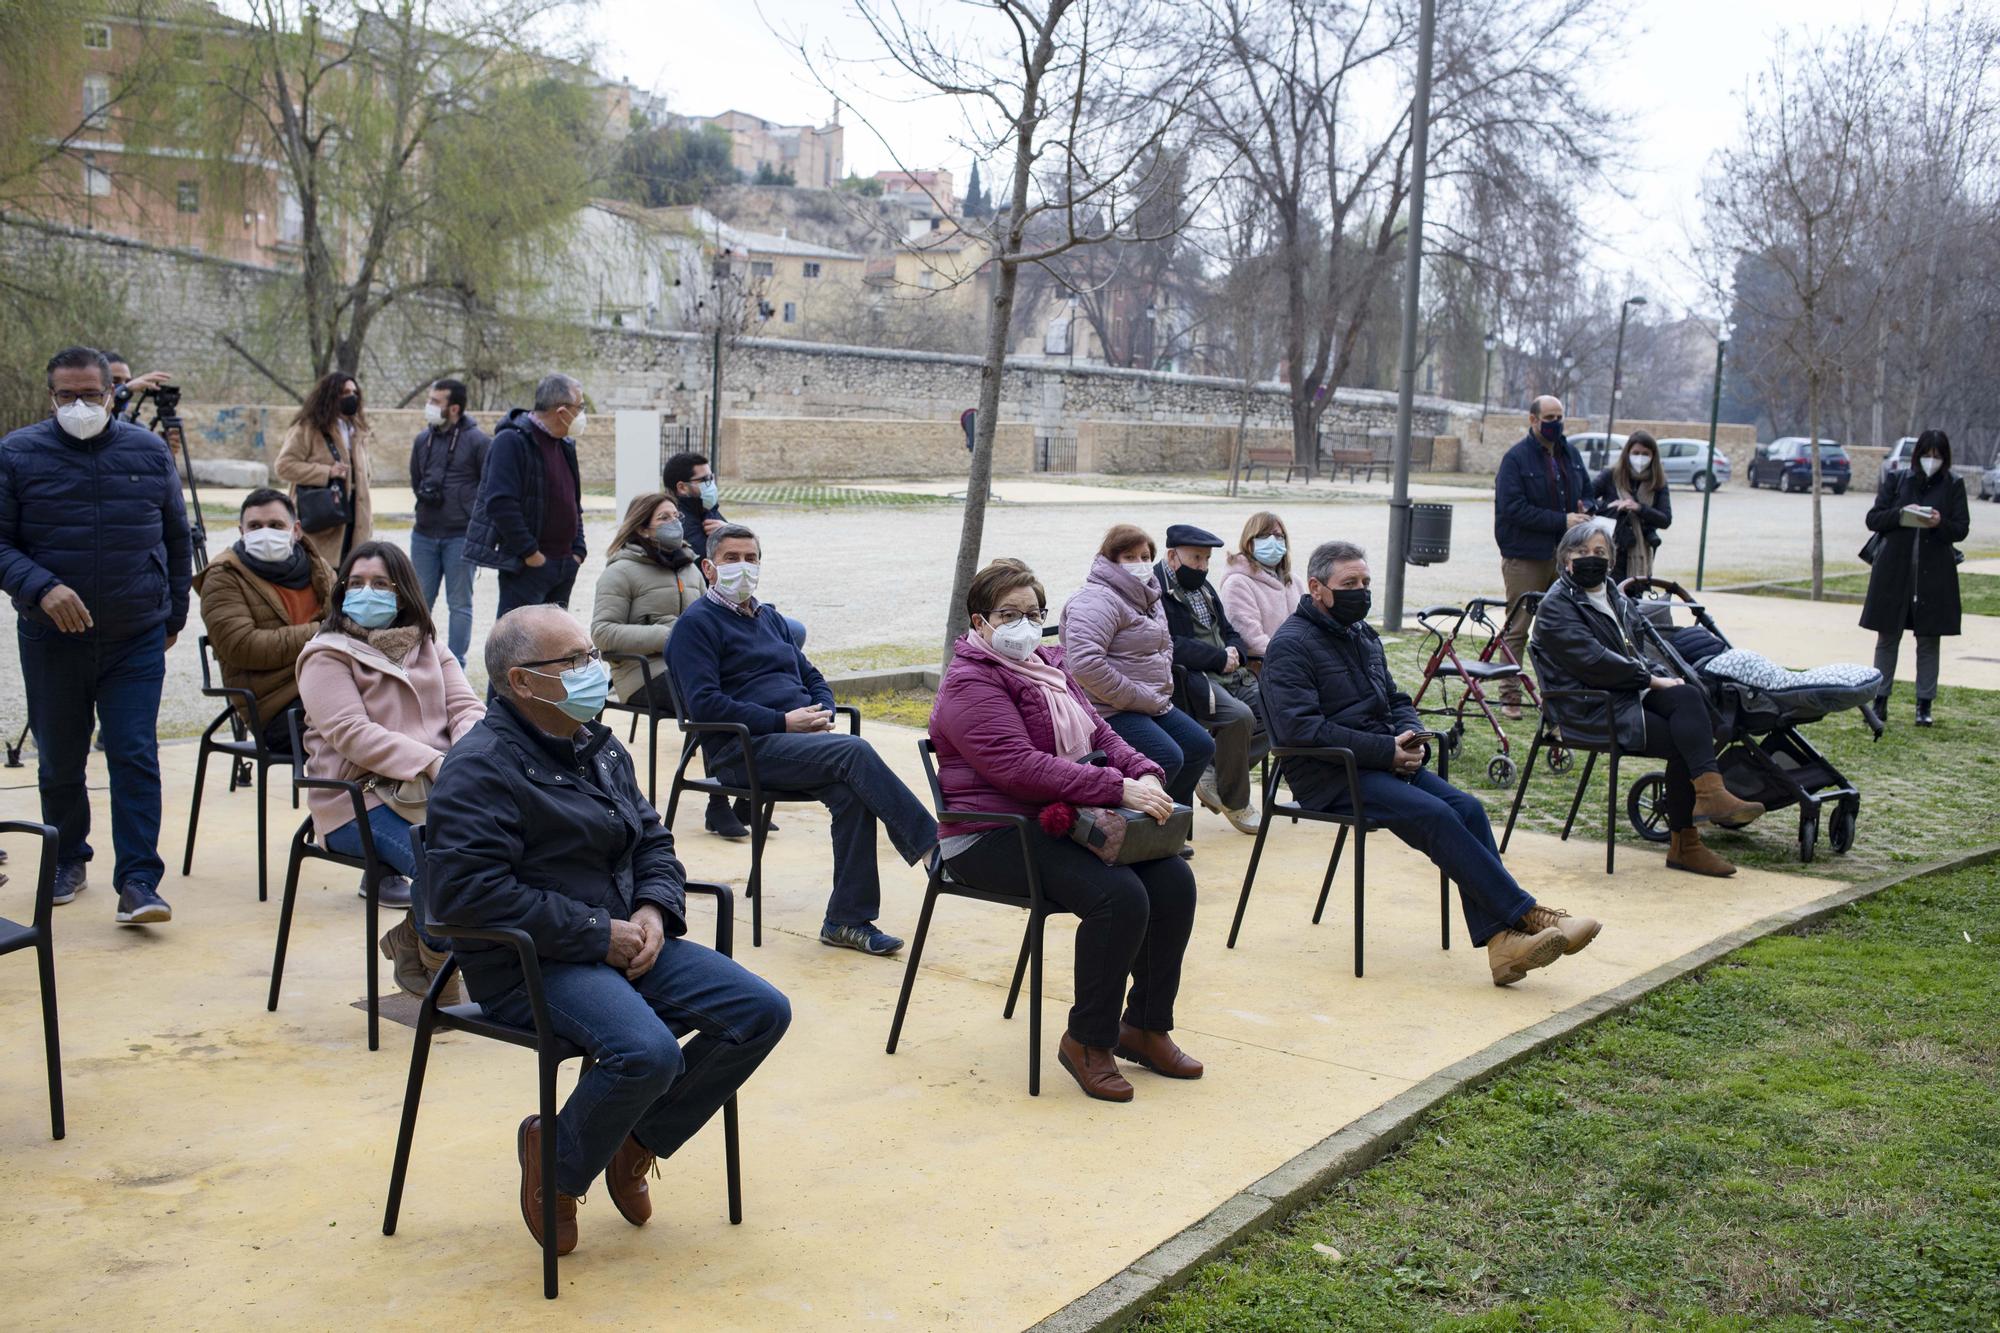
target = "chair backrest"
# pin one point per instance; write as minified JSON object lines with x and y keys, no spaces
{"x":45,"y":873}
{"x":295,"y":722}
{"x":202,"y":649}
{"x":929,"y":753}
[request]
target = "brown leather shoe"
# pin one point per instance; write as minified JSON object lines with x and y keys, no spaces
{"x":1686,"y":851}
{"x":529,"y":1143}
{"x":1717,"y":804}
{"x":1156,"y":1051}
{"x":1093,"y":1069}
{"x":1512,"y":954}
{"x":1577,"y":930}
{"x":626,"y":1179}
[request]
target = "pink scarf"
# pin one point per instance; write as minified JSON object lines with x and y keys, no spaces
{"x":1073,"y":726}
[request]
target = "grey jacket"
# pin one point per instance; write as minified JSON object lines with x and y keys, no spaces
{"x":638,"y":600}
{"x":1116,"y":644}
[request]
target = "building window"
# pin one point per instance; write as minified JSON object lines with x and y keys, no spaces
{"x":96,"y":100}
{"x":97,"y":37}
{"x":96,"y":180}
{"x":291,"y":217}
{"x":187,"y":45}
{"x":791,"y":312}
{"x":760,"y":268}
{"x":187,"y":196}
{"x":927,"y":280}
{"x":811,"y":269}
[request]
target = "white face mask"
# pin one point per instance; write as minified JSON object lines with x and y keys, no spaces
{"x":576,"y":424}
{"x":433,"y":414}
{"x":270,"y":545}
{"x":1141,"y":570}
{"x":81,"y":420}
{"x":1017,"y":641}
{"x":1930,"y":463}
{"x":1640,"y":462}
{"x":737,"y":580}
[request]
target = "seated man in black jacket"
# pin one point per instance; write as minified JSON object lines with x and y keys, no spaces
{"x":1222,"y":691}
{"x":1327,"y":683}
{"x":537,"y":822}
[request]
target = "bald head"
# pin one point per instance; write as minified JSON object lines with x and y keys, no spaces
{"x":530,"y":634}
{"x":1546,"y":408}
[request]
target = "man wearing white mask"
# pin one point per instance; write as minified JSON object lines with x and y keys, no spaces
{"x":733,"y":660}
{"x":94,"y":550}
{"x":447,"y":461}
{"x":262,"y":600}
{"x":528,"y":520}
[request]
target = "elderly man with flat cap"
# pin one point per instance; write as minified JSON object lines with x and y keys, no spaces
{"x":1222,"y":691}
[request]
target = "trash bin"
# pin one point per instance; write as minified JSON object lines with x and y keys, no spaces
{"x":1430,"y":534}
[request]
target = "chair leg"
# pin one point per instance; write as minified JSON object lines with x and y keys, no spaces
{"x":1576,"y":802}
{"x":1444,"y":909}
{"x":548,"y":1137}
{"x":652,"y":760}
{"x":194,"y":807}
{"x":420,"y":1054}
{"x":373,"y":931}
{"x":1332,"y":864}
{"x":910,"y":964}
{"x":1250,"y":873}
{"x":1527,"y":771}
{"x":732,"y":1161}
{"x":1360,"y":886}
{"x":760,"y":823}
{"x":45,"y":960}
{"x":1020,"y":968}
{"x":632,"y":732}
{"x":263,"y":830}
{"x":1611,"y":816}
{"x":285,"y":916}
{"x":1035,"y":921}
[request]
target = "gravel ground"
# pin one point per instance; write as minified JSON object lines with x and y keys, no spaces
{"x":871,"y":583}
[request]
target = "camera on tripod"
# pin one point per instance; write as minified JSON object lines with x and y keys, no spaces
{"x":166,"y":401}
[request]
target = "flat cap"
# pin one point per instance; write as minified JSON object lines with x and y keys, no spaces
{"x":1187,"y":534}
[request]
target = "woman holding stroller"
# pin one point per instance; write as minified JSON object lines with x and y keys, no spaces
{"x":1584,"y":639}
{"x":1916,"y":518}
{"x":1632,"y":493}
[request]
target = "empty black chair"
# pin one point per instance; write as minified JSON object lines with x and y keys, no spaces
{"x":762,"y":800}
{"x":1031,"y":943}
{"x":641,"y":705}
{"x":307,"y":846}
{"x":550,"y":1052}
{"x":1549,"y":735}
{"x":246,"y":750}
{"x":14,"y":935}
{"x":1357,"y":821}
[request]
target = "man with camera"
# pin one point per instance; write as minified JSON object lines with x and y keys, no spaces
{"x":95,"y":551}
{"x":446,"y":464}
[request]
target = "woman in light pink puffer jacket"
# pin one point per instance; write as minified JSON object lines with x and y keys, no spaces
{"x":1258,"y":594}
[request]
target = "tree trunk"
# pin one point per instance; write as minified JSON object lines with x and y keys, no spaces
{"x":1812,"y":433}
{"x":1242,"y":427}
{"x":979,"y":481}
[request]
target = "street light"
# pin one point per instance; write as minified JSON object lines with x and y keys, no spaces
{"x":1568,"y":363}
{"x":1617,"y":358}
{"x":1486,"y":384}
{"x":1714,"y":417}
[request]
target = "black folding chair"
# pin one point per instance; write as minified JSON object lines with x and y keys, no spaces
{"x":762,"y":799}
{"x":550,"y":1053}
{"x":641,"y":705}
{"x":15,"y":936}
{"x":1548,"y":734}
{"x":1356,"y":820}
{"x":1031,"y":943}
{"x":246,"y":749}
{"x":307,"y":846}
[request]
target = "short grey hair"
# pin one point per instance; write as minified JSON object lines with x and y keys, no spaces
{"x":1328,"y":554}
{"x":733,"y":530}
{"x":557,"y":390}
{"x":515,"y":638}
{"x":1572,"y":541}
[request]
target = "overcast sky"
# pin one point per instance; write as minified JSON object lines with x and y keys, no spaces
{"x":1681,"y":72}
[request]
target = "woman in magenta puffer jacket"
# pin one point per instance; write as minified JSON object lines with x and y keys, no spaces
{"x":1011,"y":728}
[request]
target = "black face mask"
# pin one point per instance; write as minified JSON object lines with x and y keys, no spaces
{"x":1189,"y":577}
{"x":1589,"y":571}
{"x":1552,"y":431}
{"x":350,"y":404}
{"x":1350,"y":605}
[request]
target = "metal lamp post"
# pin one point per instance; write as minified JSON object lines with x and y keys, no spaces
{"x":1486,"y":384}
{"x":1568,"y":363}
{"x":1617,"y":368}
{"x":1413,"y":259}
{"x":1714,"y":418}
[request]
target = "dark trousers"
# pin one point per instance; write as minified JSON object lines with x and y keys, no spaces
{"x":1677,"y":730}
{"x":1134,"y":921}
{"x":846,"y":775}
{"x":1450,"y":827}
{"x":548,"y":584}
{"x":1174,"y":741}
{"x":70,"y":678}
{"x":644,"y":1082}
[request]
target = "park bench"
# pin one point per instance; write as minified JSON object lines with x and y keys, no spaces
{"x":1362,"y":461}
{"x":1268,"y":458}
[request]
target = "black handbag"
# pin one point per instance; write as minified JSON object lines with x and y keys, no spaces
{"x":1870,"y":547}
{"x":324,"y":508}
{"x":1126,"y":837}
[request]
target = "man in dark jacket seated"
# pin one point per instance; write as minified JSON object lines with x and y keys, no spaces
{"x":537,"y":822}
{"x":733,"y":660}
{"x":1222,"y":691}
{"x":1327,"y":683}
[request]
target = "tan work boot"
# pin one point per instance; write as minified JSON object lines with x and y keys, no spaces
{"x":528,"y":1146}
{"x":1714,"y":802}
{"x":1577,"y":931}
{"x":415,"y":963}
{"x":626,"y":1179}
{"x":1512,"y":954}
{"x":1685,"y":851}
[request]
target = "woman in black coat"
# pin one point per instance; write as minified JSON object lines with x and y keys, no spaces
{"x":1632,"y":493}
{"x":1914,"y":584}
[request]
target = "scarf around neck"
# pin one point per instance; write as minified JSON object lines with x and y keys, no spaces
{"x":294,"y":572}
{"x":1072,"y":727}
{"x":396,"y":642}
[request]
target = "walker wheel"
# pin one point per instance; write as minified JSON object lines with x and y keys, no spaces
{"x":1454,"y":740}
{"x":1561,"y":760}
{"x":1501,"y":771}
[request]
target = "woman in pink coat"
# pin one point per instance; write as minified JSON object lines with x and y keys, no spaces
{"x":1012,"y":727}
{"x":1259,"y":588}
{"x":382,"y":706}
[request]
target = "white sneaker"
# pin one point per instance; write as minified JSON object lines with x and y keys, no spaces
{"x":1244,"y":820}
{"x":1204,"y":791}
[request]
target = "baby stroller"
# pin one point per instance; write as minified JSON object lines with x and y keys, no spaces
{"x":1494,"y":664}
{"x":1759,"y":707}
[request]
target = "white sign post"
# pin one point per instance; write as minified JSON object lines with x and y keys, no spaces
{"x":635,"y":455}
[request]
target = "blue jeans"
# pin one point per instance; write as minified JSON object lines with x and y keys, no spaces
{"x":1174,"y":741}
{"x":68,"y":678}
{"x":644,"y":1082}
{"x":1450,"y":827}
{"x":394,"y":850}
{"x":846,"y":775}
{"x":443,"y":558}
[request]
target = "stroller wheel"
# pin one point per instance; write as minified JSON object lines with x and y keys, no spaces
{"x":1561,"y":760}
{"x":1840,"y":828}
{"x":1646,"y":807}
{"x":1501,"y":771}
{"x":1808,"y":837}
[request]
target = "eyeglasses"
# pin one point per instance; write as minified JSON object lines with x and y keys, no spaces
{"x":64,"y":397}
{"x":1013,"y":617}
{"x":574,"y":662}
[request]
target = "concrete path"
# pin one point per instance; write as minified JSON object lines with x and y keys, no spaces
{"x":227,"y":1166}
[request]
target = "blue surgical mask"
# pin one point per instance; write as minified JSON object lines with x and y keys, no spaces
{"x":709,"y":494}
{"x":370,"y":608}
{"x":1268,"y":550}
{"x":585,"y":689}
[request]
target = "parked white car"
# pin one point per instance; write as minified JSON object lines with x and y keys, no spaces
{"x":1898,"y":458}
{"x":1989,"y":483}
{"x":1687,"y":463}
{"x":1599,"y":450}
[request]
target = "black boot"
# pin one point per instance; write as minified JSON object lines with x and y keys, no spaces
{"x":1882,"y":709}
{"x":722,"y":822}
{"x":1923,"y":712}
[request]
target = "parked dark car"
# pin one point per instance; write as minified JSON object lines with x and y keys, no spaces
{"x":1786,"y":465}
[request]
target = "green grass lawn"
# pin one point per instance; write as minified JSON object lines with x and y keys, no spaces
{"x":1805,"y":1136}
{"x":1978,"y":594}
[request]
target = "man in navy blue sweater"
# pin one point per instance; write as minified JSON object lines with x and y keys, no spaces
{"x":1540,"y":492}
{"x":733,"y":660}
